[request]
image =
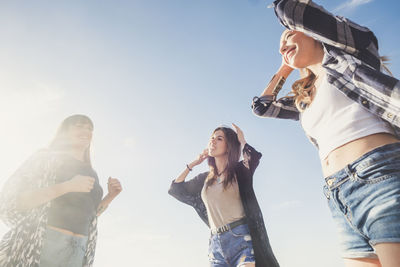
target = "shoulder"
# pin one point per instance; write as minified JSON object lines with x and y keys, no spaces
{"x":39,"y":156}
{"x":43,"y":158}
{"x":201,"y":177}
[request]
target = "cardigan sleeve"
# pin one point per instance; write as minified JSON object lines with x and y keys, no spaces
{"x":340,"y":32}
{"x":188,"y":191}
{"x":26,"y":177}
{"x":251,"y":158}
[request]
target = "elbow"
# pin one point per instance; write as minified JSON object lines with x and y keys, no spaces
{"x":259,"y":108}
{"x":172,"y":189}
{"x":259,"y":111}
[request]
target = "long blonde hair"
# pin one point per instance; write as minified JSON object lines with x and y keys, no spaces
{"x":303,"y":89}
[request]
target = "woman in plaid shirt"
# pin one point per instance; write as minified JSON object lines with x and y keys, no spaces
{"x":349,"y":110}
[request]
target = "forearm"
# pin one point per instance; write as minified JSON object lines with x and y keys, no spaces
{"x":277,"y":81}
{"x":181,"y":178}
{"x":104,"y":204}
{"x":266,"y":104}
{"x":31,"y":199}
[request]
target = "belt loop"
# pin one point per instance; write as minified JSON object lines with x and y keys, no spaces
{"x":327,"y":192}
{"x":350,"y":173}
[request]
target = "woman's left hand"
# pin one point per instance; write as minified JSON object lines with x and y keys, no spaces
{"x":114,"y":187}
{"x":239,"y":134}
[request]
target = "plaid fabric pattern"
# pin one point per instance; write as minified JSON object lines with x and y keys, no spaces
{"x":21,"y":246}
{"x":351,"y":61}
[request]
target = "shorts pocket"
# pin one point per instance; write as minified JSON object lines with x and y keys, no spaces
{"x":378,"y":171}
{"x":240,"y":231}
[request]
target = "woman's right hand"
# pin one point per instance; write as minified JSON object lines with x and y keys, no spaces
{"x":276,"y":83}
{"x":285,"y":68}
{"x":80,"y":183}
{"x":200,"y":158}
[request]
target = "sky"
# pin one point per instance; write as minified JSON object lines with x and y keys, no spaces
{"x":157,"y":77}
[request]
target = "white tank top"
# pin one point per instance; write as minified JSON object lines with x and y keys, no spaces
{"x":333,"y":120}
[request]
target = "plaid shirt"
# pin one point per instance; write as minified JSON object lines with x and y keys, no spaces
{"x":351,"y":62}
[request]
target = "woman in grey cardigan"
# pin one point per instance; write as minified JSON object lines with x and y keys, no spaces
{"x":52,"y":202}
{"x":224,"y":199}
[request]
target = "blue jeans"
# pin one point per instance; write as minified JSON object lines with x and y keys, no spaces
{"x":232,"y":248}
{"x":62,"y":250}
{"x":364,"y":199}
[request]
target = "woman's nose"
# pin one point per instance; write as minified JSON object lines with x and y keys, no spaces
{"x":283,"y":49}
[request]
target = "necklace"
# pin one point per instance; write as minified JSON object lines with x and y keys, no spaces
{"x":219,"y":179}
{"x":219,"y":173}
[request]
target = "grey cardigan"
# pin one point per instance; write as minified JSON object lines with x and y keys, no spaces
{"x":190,"y":193}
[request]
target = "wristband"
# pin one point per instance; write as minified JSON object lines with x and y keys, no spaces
{"x":187,"y":166}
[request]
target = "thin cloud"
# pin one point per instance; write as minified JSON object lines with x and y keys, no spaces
{"x":130,"y":142}
{"x":352,"y":4}
{"x":38,"y":97}
{"x":290,"y":204}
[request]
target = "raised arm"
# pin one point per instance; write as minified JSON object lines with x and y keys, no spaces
{"x":251,"y":157}
{"x":186,"y":191}
{"x":267,"y":104}
{"x":315,"y":21}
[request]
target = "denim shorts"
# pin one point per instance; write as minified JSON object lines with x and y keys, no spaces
{"x":62,"y":250}
{"x":364,"y":199}
{"x":232,"y":248}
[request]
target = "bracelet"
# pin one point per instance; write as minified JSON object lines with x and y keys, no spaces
{"x":187,"y":166}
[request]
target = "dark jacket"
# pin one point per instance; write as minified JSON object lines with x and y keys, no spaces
{"x":190,"y":193}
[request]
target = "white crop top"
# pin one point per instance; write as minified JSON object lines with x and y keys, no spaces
{"x":333,"y":120}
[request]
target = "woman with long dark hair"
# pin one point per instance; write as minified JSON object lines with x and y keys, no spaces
{"x":350,"y":110}
{"x":51,"y":203}
{"x":224,"y":199}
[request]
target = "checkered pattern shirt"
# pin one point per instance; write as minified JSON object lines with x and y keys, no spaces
{"x":351,"y":61}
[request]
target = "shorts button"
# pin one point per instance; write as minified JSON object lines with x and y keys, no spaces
{"x":330,"y":182}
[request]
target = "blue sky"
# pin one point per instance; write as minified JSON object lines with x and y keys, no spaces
{"x":157,"y":77}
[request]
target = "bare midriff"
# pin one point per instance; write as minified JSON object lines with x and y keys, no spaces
{"x":351,"y":151}
{"x":64,"y":231}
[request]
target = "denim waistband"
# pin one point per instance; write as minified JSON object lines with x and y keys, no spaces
{"x":382,"y":152}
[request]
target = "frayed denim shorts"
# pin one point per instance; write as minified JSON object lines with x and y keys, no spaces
{"x":364,"y":199}
{"x":232,"y":248}
{"x":62,"y":250}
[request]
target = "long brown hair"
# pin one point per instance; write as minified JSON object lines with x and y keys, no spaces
{"x":60,"y":143}
{"x":233,"y":155}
